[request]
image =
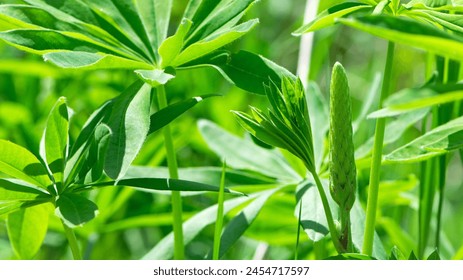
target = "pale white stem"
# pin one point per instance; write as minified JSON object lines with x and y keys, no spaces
{"x":306,"y":44}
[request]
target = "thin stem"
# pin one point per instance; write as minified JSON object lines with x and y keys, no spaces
{"x":329,"y":216}
{"x":179,"y":248}
{"x":372,"y":203}
{"x":425,"y":207}
{"x":72,"y":242}
{"x":219,"y":222}
{"x":296,"y":253}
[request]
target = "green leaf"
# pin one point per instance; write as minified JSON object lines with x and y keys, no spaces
{"x":212,"y":43}
{"x":10,"y":207}
{"x":93,"y":165}
{"x":329,"y":16}
{"x":247,"y":70}
{"x":236,"y":152}
{"x":129,"y":123}
{"x":434,"y":256}
{"x":19,"y":163}
{"x":92,"y":61}
{"x":27,"y":228}
{"x":313,"y":218}
{"x":409,"y":32}
{"x":17,"y":190}
{"x":394,"y":192}
{"x":412,"y":99}
{"x":192,"y":227}
{"x":205,"y":175}
{"x":44,"y":41}
{"x":164,"y":184}
{"x":155,"y":11}
{"x":242,"y":221}
{"x":431,"y":3}
{"x":172,"y":46}
{"x":75,"y":210}
{"x":212,"y":17}
{"x":165,"y":116}
{"x":80,"y":147}
{"x":438,"y":141}
{"x":318,"y":111}
{"x":351,"y":256}
{"x":154,"y":77}
{"x":394,"y":131}
{"x":402,"y":239}
{"x":54,"y":144}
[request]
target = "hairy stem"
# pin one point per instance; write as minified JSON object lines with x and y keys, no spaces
{"x":372,"y":203}
{"x":328,"y":214}
{"x":179,"y":248}
{"x":71,"y":237}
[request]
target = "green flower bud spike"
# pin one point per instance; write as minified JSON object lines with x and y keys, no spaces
{"x":342,"y":161}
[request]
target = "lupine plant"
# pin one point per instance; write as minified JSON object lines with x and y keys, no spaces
{"x":326,"y":176}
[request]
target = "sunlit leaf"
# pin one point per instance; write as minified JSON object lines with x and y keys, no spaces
{"x":54,"y":144}
{"x":19,"y":163}
{"x":27,"y":228}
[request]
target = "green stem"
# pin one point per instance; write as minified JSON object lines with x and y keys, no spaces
{"x":345,"y":234}
{"x":425,"y":207}
{"x":72,"y":242}
{"x":328,"y":214}
{"x":219,"y":222}
{"x":179,"y":248}
{"x":298,"y":234}
{"x":372,"y":203}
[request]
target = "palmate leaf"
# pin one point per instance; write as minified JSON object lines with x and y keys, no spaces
{"x":87,"y":34}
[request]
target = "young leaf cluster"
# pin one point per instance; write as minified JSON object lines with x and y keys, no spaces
{"x":287,"y":124}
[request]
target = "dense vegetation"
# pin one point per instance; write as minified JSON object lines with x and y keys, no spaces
{"x":201,"y":129}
